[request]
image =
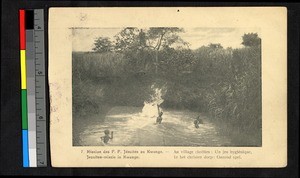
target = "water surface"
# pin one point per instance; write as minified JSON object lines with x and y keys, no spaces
{"x":132,"y":128}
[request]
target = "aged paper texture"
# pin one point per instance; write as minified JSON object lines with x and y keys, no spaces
{"x":168,"y":87}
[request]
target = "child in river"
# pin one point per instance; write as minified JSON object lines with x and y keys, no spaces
{"x":159,"y":118}
{"x":197,"y":122}
{"x":106,"y":137}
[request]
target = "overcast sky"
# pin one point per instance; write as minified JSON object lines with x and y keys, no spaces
{"x":83,"y":39}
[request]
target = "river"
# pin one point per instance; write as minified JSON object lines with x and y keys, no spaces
{"x":132,"y":128}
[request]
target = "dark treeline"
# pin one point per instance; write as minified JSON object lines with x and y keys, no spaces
{"x":223,"y":83}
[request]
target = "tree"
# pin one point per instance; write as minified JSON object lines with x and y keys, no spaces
{"x":163,"y":37}
{"x":102,"y":44}
{"x":251,"y":40}
{"x":153,"y":39}
{"x":142,"y":38}
{"x":127,"y":39}
{"x":215,"y":46}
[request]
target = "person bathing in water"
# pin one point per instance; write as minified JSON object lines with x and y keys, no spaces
{"x":106,"y":137}
{"x":197,"y":122}
{"x":160,"y":113}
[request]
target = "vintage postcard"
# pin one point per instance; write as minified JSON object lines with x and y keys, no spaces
{"x":168,"y":87}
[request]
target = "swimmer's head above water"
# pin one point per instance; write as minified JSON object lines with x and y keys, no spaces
{"x":106,"y":132}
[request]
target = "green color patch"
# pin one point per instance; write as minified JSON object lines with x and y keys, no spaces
{"x":24,"y":109}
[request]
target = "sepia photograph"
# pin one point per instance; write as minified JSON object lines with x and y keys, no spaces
{"x":166,"y":86}
{"x":133,"y":87}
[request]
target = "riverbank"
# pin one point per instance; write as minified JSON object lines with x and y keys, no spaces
{"x":239,"y":137}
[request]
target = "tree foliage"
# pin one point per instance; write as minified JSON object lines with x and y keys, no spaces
{"x":215,"y":46}
{"x":223,"y":82}
{"x":164,"y":37}
{"x":132,"y":38}
{"x":102,"y":44}
{"x":251,"y":40}
{"x":127,"y":39}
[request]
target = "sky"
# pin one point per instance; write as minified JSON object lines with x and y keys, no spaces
{"x":83,"y":39}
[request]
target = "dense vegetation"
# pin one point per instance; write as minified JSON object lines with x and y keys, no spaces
{"x":223,"y":83}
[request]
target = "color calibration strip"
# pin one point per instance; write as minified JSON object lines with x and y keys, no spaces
{"x":33,"y":87}
{"x":23,"y":88}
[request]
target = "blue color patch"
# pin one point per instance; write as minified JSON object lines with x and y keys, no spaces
{"x":25,"y":148}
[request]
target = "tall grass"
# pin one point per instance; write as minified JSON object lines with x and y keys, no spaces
{"x":234,"y":96}
{"x":104,"y":79}
{"x":224,"y":83}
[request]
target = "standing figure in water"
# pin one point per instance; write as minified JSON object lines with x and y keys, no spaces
{"x":197,"y":122}
{"x":160,"y":113}
{"x":106,"y":137}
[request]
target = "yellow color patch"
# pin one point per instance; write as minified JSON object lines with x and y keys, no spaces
{"x":23,"y":68}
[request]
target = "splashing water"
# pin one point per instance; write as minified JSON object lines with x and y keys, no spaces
{"x":132,"y":127}
{"x":150,"y":107}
